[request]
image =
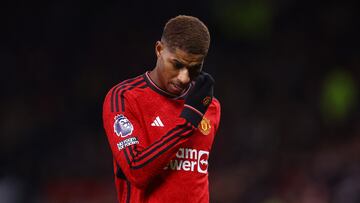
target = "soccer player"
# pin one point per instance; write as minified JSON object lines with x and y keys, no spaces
{"x":161,"y":125}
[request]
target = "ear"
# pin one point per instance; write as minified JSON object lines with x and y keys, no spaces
{"x":158,"y":48}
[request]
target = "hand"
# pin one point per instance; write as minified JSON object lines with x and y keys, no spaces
{"x":198,"y":99}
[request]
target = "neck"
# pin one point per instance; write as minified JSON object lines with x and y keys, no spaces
{"x":154,"y":77}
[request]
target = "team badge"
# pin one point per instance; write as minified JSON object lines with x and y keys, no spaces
{"x":122,"y":126}
{"x":205,"y":126}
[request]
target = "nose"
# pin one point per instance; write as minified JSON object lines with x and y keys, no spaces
{"x":183,"y":76}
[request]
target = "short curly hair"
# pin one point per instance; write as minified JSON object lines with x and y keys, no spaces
{"x":187,"y":33}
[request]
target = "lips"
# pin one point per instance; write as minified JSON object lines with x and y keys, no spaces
{"x":177,"y":89}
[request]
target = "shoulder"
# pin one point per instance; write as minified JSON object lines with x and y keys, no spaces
{"x":215,"y":102}
{"x":130,"y":85}
{"x":127,"y":89}
{"x":216,"y":107}
{"x":214,"y":113}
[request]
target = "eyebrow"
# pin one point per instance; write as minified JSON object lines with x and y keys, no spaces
{"x":177,"y":61}
{"x":192,"y":66}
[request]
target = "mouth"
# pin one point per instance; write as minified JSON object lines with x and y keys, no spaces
{"x":176,"y":89}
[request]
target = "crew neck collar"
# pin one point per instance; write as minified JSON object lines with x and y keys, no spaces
{"x":159,"y":90}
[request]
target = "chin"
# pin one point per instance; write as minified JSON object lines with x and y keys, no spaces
{"x":173,"y":92}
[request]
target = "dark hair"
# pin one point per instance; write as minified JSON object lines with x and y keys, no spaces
{"x":187,"y":33}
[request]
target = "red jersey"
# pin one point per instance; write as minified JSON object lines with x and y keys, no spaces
{"x":158,"y":156}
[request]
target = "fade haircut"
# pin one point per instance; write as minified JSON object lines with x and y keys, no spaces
{"x":187,"y":33}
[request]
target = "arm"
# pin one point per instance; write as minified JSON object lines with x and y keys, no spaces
{"x":140,"y":164}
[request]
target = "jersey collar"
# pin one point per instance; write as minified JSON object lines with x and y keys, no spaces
{"x":157,"y":89}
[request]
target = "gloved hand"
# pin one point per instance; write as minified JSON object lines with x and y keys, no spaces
{"x":198,"y":99}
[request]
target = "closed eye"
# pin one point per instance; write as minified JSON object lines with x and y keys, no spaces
{"x":178,"y":64}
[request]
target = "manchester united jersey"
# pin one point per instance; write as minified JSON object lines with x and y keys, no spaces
{"x":158,"y":156}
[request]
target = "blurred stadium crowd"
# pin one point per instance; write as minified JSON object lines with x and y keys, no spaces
{"x":287,"y":74}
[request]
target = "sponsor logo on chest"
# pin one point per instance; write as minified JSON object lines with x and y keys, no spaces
{"x":189,"y":160}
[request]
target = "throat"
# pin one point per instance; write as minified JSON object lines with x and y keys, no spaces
{"x":155,"y":79}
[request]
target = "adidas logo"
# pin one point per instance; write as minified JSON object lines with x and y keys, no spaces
{"x":157,"y":122}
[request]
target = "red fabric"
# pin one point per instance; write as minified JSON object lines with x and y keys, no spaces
{"x":162,"y":161}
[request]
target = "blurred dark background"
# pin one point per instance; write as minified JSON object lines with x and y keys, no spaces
{"x":287,"y":75}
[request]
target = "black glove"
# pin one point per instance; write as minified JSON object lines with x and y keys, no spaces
{"x":198,"y":99}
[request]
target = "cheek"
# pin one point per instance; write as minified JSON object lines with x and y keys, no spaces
{"x":168,"y":71}
{"x":167,"y":65}
{"x":163,"y":73}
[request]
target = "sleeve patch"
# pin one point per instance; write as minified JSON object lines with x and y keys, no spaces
{"x":122,"y":126}
{"x":128,"y":142}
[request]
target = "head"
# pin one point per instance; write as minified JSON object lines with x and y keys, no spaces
{"x":180,"y":53}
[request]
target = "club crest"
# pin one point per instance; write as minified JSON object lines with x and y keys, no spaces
{"x":205,"y":126}
{"x":122,"y":126}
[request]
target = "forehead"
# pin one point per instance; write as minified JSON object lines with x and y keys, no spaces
{"x":185,"y":57}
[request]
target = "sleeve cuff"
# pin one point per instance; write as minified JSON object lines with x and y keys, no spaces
{"x":192,"y":115}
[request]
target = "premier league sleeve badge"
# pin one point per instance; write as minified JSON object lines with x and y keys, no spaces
{"x":122,"y":126}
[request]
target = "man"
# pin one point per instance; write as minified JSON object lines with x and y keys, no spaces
{"x":161,"y":125}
